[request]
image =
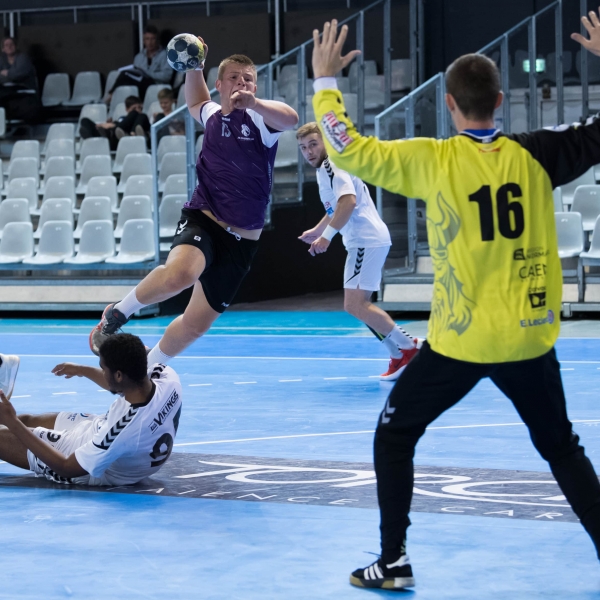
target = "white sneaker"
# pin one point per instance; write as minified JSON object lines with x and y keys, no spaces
{"x":8,"y":373}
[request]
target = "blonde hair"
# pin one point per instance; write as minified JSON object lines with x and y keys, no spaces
{"x":307,"y":129}
{"x":237,"y":59}
{"x":166,"y":94}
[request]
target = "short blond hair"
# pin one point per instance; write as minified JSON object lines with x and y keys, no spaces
{"x":237,"y":59}
{"x":307,"y":129}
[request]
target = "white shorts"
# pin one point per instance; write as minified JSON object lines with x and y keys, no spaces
{"x":71,"y":431}
{"x":363,"y":268}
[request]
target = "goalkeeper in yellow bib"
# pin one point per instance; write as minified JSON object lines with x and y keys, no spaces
{"x":498,"y":279}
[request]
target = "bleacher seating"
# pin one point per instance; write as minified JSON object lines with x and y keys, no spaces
{"x":97,"y":243}
{"x":103,"y":186}
{"x":56,"y":90}
{"x":59,"y":131}
{"x":139,"y":185}
{"x":56,"y":244}
{"x":151,"y":94}
{"x":95,"y":112}
{"x":592,"y":256}
{"x":134,"y":164}
{"x":568,"y":189}
{"x":87,"y":88}
{"x":59,"y":186}
{"x":92,"y":147}
{"x":137,"y":244}
{"x":58,"y":166}
{"x":14,"y":210}
{"x":110,"y":81}
{"x":93,"y":166}
{"x":170,"y":143}
{"x":16,"y":243}
{"x":586,"y":201}
{"x":128,"y":145}
{"x":569,"y":230}
{"x":55,"y":209}
{"x":24,"y":187}
{"x":132,"y":207}
{"x":172,"y":163}
{"x":93,"y":208}
{"x":169,"y":213}
{"x":119,"y":95}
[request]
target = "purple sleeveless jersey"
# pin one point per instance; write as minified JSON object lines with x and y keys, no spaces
{"x":235,"y":167}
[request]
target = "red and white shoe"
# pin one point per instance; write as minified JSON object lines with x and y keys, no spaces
{"x":397,"y":365}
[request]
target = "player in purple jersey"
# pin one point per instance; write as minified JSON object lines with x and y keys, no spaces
{"x":218,"y":233}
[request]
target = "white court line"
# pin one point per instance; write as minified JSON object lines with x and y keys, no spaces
{"x":198,"y":384}
{"x":221,"y":357}
{"x":25,"y":396}
{"x":243,"y":382}
{"x":286,"y":380}
{"x":332,"y":378}
{"x":371,"y":431}
{"x":63,"y":393}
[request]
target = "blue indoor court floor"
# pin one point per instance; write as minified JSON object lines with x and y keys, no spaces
{"x":270,"y":491}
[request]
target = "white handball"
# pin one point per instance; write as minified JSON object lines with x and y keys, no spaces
{"x":185,"y":52}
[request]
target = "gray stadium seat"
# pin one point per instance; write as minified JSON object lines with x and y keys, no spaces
{"x":134,"y":164}
{"x":58,"y":166}
{"x":16,"y":243}
{"x":14,"y":210}
{"x":93,"y":208}
{"x":60,"y":147}
{"x":370,"y":69}
{"x":92,"y":147}
{"x":176,"y":184}
{"x":287,"y":150}
{"x":105,"y":185}
{"x":119,"y":95}
{"x":87,"y":88}
{"x":586,"y":201}
{"x":132,"y":207}
{"x":592,"y":256}
{"x":24,"y":167}
{"x":97,"y":243}
{"x":169,"y":213}
{"x":25,"y":149}
{"x":374,"y":92}
{"x":59,"y":131}
{"x":55,"y":209}
{"x":93,"y":166}
{"x":568,"y":189}
{"x":128,"y":145}
{"x":24,"y":187}
{"x":557,"y":197}
{"x":95,"y":112}
{"x":56,"y":90}
{"x":60,"y":186}
{"x":110,"y":80}
{"x":172,"y":163}
{"x":170,"y":143}
{"x":2,"y":122}
{"x":137,"y":244}
{"x":569,"y":230}
{"x":56,"y":244}
{"x":401,"y":74}
{"x":152,"y":94}
{"x":343,"y":84}
{"x":139,"y":185}
{"x":119,"y":111}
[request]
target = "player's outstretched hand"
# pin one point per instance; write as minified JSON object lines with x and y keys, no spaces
{"x":309,"y":236}
{"x":7,"y":410}
{"x":67,"y":370}
{"x":327,"y":59}
{"x":243,"y":99}
{"x":319,"y":246}
{"x":592,"y":26}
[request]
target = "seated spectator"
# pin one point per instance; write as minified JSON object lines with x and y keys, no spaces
{"x":135,"y":122}
{"x":149,"y":66}
{"x":176,"y":126}
{"x":18,"y":84}
{"x":15,"y":67}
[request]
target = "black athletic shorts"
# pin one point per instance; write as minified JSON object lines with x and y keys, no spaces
{"x":228,"y":257}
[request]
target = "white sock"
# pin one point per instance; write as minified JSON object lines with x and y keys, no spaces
{"x":396,"y":341}
{"x":129,"y":304}
{"x":156,"y":355}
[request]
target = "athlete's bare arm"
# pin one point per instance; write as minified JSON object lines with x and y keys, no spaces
{"x":310,"y":235}
{"x":277,"y":115}
{"x":65,"y":466}
{"x":69,"y":370}
{"x":592,"y":26}
{"x":196,"y":90}
{"x":343,"y":211}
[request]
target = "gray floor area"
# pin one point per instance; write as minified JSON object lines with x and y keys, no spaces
{"x":416,"y":323}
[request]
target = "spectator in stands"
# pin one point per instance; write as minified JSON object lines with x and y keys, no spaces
{"x":166,"y":99}
{"x":135,"y":122}
{"x":15,"y":67}
{"x":149,"y":66}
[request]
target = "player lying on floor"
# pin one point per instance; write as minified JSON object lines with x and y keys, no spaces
{"x":130,"y":442}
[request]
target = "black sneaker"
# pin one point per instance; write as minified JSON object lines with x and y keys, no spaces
{"x":111,"y":322}
{"x":394,"y":576}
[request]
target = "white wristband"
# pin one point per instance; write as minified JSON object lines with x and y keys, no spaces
{"x":200,"y":67}
{"x":329,"y":233}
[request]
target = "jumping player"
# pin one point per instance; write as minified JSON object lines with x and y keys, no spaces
{"x":130,"y":442}
{"x":218,"y":234}
{"x":350,"y":211}
{"x":498,"y":278}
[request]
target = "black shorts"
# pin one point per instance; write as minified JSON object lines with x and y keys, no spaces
{"x":228,"y":257}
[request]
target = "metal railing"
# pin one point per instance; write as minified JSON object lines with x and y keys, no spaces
{"x":423,"y":111}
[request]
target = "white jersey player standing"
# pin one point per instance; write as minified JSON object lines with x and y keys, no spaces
{"x":130,"y":442}
{"x":350,"y":211}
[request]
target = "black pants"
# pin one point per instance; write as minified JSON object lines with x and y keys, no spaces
{"x":430,"y":385}
{"x":128,"y":123}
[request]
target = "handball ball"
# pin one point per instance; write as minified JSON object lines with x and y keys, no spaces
{"x":185,"y":52}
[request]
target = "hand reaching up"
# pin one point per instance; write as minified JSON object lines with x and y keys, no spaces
{"x":592,"y":25}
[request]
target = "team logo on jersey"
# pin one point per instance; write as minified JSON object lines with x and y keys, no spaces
{"x":180,"y":227}
{"x":163,"y":413}
{"x":53,"y":437}
{"x":536,"y":252}
{"x":245,"y":130}
{"x":537,"y":297}
{"x":225,"y":131}
{"x":328,"y":208}
{"x":335,"y":132}
{"x":547,"y":320}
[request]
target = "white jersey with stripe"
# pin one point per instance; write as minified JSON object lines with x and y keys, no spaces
{"x":365,"y":228}
{"x":131,"y":442}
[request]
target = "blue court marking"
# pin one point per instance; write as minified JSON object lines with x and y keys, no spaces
{"x":296,"y":385}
